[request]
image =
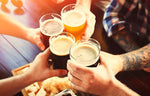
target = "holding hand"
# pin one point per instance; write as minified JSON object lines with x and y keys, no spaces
{"x":95,"y":80}
{"x":85,"y":8}
{"x":40,"y":69}
{"x":99,"y":80}
{"x":34,"y":36}
{"x":113,"y":61}
{"x":90,"y":23}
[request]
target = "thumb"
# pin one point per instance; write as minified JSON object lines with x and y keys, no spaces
{"x":46,"y":53}
{"x":41,"y":45}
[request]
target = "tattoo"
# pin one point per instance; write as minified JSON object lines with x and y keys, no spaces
{"x":125,"y":41}
{"x":136,"y":60}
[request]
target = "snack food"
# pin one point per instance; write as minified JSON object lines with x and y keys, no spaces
{"x":48,"y":87}
{"x":55,"y":85}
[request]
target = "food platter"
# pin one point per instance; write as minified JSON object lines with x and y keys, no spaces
{"x":48,"y":87}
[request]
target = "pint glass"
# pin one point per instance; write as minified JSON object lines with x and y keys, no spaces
{"x":59,"y":47}
{"x":50,"y":25}
{"x":74,"y":20}
{"x":85,"y":52}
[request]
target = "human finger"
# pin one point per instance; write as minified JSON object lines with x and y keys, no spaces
{"x":57,"y":72}
{"x":77,"y":87}
{"x":77,"y":70}
{"x":41,"y":45}
{"x":74,"y":80}
{"x":46,"y":53}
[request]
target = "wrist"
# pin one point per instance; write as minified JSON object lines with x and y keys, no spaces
{"x":118,"y":63}
{"x":120,"y":60}
{"x":29,"y":36}
{"x":24,"y":32}
{"x":28,"y":77}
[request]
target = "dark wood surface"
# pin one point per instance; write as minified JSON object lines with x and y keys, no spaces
{"x":15,"y":52}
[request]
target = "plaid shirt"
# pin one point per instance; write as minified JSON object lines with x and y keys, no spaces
{"x":131,"y":14}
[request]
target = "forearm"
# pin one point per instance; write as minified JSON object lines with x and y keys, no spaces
{"x":136,"y":60}
{"x":119,"y":89}
{"x":10,"y":26}
{"x":125,"y":40}
{"x":12,"y":85}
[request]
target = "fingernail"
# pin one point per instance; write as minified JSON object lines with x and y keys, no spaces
{"x":42,"y":48}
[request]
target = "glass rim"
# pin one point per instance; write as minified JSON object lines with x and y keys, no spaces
{"x":73,"y":4}
{"x":48,"y":15}
{"x":61,"y":34}
{"x":76,"y":43}
{"x":80,"y":12}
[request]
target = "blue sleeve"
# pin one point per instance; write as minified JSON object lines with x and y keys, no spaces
{"x":114,"y":19}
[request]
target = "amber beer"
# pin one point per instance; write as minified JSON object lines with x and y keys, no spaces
{"x":59,"y":47}
{"x":74,"y":20}
{"x":50,"y":25}
{"x":85,"y":52}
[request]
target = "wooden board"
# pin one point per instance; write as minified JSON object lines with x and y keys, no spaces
{"x":57,"y":84}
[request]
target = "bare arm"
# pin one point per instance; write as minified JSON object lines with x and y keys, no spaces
{"x":38,"y":70}
{"x":99,"y":80}
{"x":12,"y":85}
{"x":10,"y":26}
{"x":136,"y":60}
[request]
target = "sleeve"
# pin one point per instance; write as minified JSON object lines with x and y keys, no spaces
{"x":114,"y":19}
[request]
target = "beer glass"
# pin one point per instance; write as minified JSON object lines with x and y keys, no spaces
{"x":59,"y":47}
{"x":50,"y":25}
{"x":85,"y":52}
{"x":74,"y":20}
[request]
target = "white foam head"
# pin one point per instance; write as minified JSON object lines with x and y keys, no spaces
{"x":60,"y":45}
{"x":52,"y":27}
{"x":73,"y":18}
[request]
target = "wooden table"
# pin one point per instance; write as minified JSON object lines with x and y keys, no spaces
{"x":15,"y":52}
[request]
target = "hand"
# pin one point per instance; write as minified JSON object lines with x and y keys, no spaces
{"x":34,"y":36}
{"x":40,"y":69}
{"x":113,"y":61}
{"x":90,"y":23}
{"x":96,"y":81}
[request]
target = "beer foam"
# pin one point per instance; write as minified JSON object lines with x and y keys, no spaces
{"x":60,"y":45}
{"x":73,"y":18}
{"x":52,"y":27}
{"x":85,"y":54}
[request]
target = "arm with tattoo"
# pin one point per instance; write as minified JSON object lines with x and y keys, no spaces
{"x":136,"y":60}
{"x":125,"y":40}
